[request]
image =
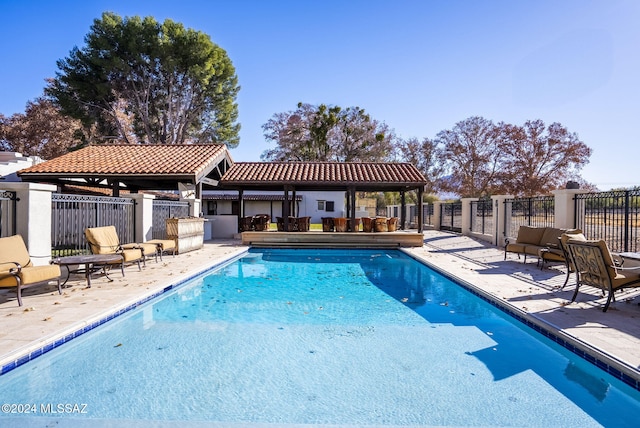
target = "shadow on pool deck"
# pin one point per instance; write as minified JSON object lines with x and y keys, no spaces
{"x":47,"y":315}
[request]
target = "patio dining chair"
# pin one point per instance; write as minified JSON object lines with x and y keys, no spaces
{"x":596,"y":267}
{"x":17,"y":270}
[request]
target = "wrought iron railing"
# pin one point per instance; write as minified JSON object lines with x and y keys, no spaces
{"x":482,"y":216}
{"x":164,"y":209}
{"x":427,"y":214}
{"x":72,"y":214}
{"x":451,"y":216}
{"x":538,"y":211}
{"x":612,"y":216}
{"x":8,"y":201}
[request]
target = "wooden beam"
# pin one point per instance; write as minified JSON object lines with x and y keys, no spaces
{"x":240,"y":208}
{"x":352,"y":207}
{"x":403,"y":210}
{"x":420,"y":210}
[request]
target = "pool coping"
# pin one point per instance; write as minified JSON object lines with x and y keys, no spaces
{"x":603,"y":360}
{"x":29,"y":352}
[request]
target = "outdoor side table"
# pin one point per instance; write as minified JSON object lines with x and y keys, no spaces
{"x":92,"y":263}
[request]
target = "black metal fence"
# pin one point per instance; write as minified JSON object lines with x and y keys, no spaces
{"x":613,"y":216}
{"x":164,"y":209}
{"x":482,"y":216}
{"x":8,"y":201}
{"x":451,"y":216}
{"x":72,"y":214}
{"x":427,"y":214}
{"x":538,"y":211}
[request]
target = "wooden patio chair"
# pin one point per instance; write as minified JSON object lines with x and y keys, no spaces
{"x":16,"y":269}
{"x":595,"y":266}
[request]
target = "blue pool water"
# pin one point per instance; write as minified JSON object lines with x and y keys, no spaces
{"x":320,"y":337}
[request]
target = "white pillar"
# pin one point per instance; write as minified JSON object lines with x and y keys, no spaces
{"x":195,"y":206}
{"x":466,"y":214}
{"x":33,"y":218}
{"x":564,"y":210}
{"x":499,"y":214}
{"x":436,"y":214}
{"x":143,"y":216}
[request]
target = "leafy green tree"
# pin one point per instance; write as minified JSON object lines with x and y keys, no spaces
{"x":172,"y":85}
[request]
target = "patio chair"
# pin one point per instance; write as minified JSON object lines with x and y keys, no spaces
{"x":148,"y":250}
{"x":261,"y":222}
{"x":164,"y":246}
{"x":104,"y":240}
{"x":595,"y":266}
{"x":16,"y":269}
{"x":576,"y":235}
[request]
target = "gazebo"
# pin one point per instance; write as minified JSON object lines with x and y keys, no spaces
{"x":350,"y":177}
{"x":135,"y":167}
{"x":153,"y":167}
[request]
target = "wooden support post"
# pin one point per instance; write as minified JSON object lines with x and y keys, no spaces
{"x":240,"y":209}
{"x":403,"y":210}
{"x":286,"y":209}
{"x":420,"y":210}
{"x":352,"y":207}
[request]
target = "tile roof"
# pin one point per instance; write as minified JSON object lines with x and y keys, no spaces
{"x":134,"y":166}
{"x":135,"y":159}
{"x":324,"y":174}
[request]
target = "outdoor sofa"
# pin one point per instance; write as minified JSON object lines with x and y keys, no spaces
{"x":541,"y":242}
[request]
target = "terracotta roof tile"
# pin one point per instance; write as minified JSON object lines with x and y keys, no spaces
{"x":322,"y":173}
{"x":132,"y":159}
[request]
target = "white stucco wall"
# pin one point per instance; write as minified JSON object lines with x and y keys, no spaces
{"x":307,"y":207}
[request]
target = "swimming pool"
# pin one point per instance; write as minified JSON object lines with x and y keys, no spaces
{"x":320,"y":337}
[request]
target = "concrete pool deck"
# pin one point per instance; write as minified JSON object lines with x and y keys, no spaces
{"x":530,"y":291}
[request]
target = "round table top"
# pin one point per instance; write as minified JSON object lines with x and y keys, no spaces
{"x":87,"y":258}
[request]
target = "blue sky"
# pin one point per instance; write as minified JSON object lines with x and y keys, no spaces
{"x":420,"y":66}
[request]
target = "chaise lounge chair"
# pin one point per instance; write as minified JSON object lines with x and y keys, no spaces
{"x":104,"y":240}
{"x":16,"y":269}
{"x":164,"y":246}
{"x":595,"y":266}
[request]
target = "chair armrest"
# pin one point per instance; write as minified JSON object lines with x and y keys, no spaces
{"x":635,"y":268}
{"x":7,"y":266}
{"x":16,"y":270}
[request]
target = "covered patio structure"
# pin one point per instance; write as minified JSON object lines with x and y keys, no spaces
{"x":135,"y":167}
{"x":350,"y":177}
